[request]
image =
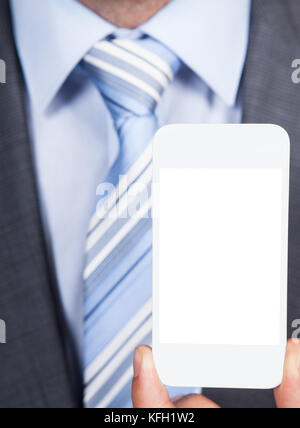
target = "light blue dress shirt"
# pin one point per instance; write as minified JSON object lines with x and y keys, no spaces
{"x":74,"y":140}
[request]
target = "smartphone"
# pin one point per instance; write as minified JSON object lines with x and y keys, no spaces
{"x":220,"y":209}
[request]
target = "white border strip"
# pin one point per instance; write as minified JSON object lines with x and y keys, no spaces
{"x":103,"y":377}
{"x":146,"y":54}
{"x":115,"y":241}
{"x":108,"y":222}
{"x":126,"y":56}
{"x":125,"y":182}
{"x":96,"y":62}
{"x":116,"y":389}
{"x":117,"y":342}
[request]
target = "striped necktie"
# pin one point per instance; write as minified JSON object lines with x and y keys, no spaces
{"x":131,"y":76}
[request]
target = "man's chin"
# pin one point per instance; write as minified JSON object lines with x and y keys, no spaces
{"x":125,"y":13}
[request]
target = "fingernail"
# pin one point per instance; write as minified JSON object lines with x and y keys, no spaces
{"x":293,"y":362}
{"x":297,"y":343}
{"x":137,"y":362}
{"x":299,"y":357}
{"x":143,"y":360}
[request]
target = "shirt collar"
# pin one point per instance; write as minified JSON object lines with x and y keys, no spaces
{"x":211,"y":37}
{"x":52,"y":36}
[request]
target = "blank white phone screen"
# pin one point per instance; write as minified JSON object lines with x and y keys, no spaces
{"x":220,"y":249}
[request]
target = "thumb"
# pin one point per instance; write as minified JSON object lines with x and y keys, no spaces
{"x":147,"y":389}
{"x":288,"y":394}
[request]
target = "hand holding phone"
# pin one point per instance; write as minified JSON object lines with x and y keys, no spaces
{"x":149,"y":392}
{"x":221,"y":199}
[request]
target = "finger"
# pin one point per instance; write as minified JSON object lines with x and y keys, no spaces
{"x":147,"y":389}
{"x":149,"y":392}
{"x":196,"y":401}
{"x":288,"y":394}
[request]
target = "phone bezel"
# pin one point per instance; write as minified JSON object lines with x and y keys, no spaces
{"x":221,"y":146}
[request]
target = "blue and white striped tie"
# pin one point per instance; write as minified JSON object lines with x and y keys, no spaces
{"x":132,"y":76}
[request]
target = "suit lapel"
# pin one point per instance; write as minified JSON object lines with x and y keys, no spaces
{"x":33,"y":367}
{"x":32,"y":364}
{"x":270,"y":96}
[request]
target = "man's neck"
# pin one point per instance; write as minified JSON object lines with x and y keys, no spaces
{"x":125,"y":13}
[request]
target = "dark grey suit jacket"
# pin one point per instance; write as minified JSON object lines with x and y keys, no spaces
{"x":34,"y":369}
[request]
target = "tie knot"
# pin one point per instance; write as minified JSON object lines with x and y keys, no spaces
{"x":131,"y":74}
